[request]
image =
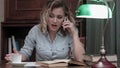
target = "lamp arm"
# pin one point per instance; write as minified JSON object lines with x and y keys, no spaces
{"x":107,"y":22}
{"x":105,"y":28}
{"x":113,"y":6}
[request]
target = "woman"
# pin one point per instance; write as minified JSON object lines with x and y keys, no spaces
{"x":54,"y":37}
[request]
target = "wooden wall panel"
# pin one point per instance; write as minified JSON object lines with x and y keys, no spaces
{"x":23,"y":9}
{"x":28,"y":9}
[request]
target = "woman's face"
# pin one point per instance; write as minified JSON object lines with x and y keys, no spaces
{"x":55,"y":19}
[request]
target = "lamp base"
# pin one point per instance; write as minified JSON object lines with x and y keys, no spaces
{"x":103,"y":63}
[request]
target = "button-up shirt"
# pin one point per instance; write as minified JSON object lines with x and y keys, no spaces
{"x":45,"y":49}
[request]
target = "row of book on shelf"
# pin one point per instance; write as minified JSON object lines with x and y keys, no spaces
{"x":13,"y":43}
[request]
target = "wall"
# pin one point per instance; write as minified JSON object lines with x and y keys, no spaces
{"x":1,"y":10}
{"x":118,"y":30}
{"x":1,"y":19}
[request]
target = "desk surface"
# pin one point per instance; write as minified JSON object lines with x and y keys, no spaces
{"x":4,"y":64}
{"x":8,"y":65}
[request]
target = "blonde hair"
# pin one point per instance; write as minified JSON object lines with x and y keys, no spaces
{"x":49,"y":6}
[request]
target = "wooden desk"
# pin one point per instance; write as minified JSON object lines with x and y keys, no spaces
{"x":8,"y":65}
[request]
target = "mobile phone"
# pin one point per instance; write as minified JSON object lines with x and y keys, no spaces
{"x":65,"y":19}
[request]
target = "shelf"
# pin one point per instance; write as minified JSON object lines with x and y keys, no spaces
{"x":18,"y":24}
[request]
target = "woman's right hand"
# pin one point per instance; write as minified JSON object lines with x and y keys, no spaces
{"x":8,"y":56}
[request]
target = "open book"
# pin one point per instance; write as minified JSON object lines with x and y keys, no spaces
{"x":58,"y":62}
{"x":54,"y":63}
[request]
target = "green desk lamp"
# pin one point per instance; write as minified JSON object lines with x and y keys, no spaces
{"x":99,"y":12}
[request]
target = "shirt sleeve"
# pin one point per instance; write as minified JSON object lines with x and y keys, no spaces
{"x":29,"y":43}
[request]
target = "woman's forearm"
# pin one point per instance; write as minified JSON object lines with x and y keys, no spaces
{"x":78,"y":47}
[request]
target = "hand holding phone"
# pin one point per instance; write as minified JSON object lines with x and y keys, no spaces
{"x":66,"y":22}
{"x":68,"y":25}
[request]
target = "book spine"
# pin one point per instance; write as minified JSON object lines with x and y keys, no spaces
{"x":9,"y":45}
{"x":13,"y":42}
{"x":17,"y":45}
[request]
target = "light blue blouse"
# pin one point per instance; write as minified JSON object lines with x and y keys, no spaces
{"x":45,"y":49}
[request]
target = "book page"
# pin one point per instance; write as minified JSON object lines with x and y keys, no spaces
{"x":56,"y":61}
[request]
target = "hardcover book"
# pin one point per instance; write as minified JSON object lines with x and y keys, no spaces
{"x":59,"y":62}
{"x":54,"y":63}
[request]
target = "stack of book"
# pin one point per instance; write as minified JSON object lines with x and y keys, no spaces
{"x":94,"y":58}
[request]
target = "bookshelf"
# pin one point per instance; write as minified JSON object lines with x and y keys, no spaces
{"x":19,"y":30}
{"x":20,"y":16}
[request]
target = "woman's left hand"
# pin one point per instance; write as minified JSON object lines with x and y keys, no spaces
{"x":69,"y":26}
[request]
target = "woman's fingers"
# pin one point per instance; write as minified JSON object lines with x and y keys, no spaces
{"x":15,"y":51}
{"x":8,"y":57}
{"x":66,"y":23}
{"x":69,"y":26}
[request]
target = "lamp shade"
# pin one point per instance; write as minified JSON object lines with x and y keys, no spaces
{"x":93,"y":11}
